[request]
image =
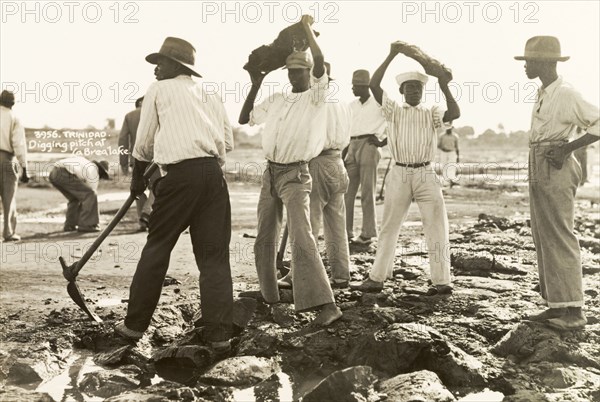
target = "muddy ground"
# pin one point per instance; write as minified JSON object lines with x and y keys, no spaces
{"x":396,"y":345}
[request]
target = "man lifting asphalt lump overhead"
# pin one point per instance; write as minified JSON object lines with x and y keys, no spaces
{"x":412,"y":138}
{"x":294,"y":133}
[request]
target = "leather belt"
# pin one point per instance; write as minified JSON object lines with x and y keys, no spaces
{"x":413,"y":165}
{"x":284,"y":165}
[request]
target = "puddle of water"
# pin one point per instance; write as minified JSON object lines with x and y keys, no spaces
{"x":64,"y":386}
{"x":279,"y":388}
{"x":109,"y":302}
{"x":484,"y":396}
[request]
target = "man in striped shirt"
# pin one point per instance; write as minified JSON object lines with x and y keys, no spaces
{"x":294,"y":133}
{"x":412,"y":137}
{"x":186,"y":132}
{"x":554,"y":175}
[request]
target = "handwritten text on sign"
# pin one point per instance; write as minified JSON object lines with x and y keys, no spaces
{"x":84,"y":143}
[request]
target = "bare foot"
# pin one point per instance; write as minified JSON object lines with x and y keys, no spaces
{"x":328,"y":314}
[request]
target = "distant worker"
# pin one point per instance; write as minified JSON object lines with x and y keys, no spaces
{"x":77,"y":179}
{"x":13,"y":148}
{"x":143,"y":202}
{"x":449,"y":156}
{"x":362,"y":157}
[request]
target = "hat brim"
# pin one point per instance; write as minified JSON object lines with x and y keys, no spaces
{"x":154,"y":58}
{"x":564,"y":58}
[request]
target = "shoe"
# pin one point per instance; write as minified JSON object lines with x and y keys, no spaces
{"x":69,"y":228}
{"x":14,"y":237}
{"x":368,"y":285}
{"x":339,"y":285}
{"x":547,"y":314}
{"x":439,"y":290}
{"x":88,"y":229}
{"x":362,"y":240}
{"x":130,"y":334}
{"x":285,"y":282}
{"x":143,"y":227}
{"x":567,"y":323}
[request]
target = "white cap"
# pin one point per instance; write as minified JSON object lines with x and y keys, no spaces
{"x":411,"y":76}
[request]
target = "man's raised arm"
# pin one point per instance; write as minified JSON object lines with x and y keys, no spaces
{"x":375,"y":84}
{"x":317,"y":54}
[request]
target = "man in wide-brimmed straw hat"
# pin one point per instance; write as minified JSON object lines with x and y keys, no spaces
{"x":186,"y":131}
{"x":294,"y":133}
{"x":77,"y":179}
{"x":554,"y":175}
{"x":412,"y":138}
{"x":13,"y":153}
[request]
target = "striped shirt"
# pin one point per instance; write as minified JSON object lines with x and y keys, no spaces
{"x":558,"y":111}
{"x":367,"y":118}
{"x":412,"y":135}
{"x":338,"y":126}
{"x":82,"y":168}
{"x":181,"y":121}
{"x":12,"y":136}
{"x":295,"y":123}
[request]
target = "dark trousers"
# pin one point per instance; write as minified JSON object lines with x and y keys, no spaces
{"x":193,"y":193}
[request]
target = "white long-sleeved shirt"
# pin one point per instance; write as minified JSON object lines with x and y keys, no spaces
{"x":12,"y":135}
{"x":82,"y":168}
{"x":295,"y":123}
{"x":559,"y":110}
{"x":367,"y":118}
{"x":181,"y":121}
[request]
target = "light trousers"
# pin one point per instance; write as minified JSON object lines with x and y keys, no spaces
{"x":289,"y":186}
{"x":552,"y":203}
{"x":422,"y":185}
{"x":330,"y":183}
{"x":361,"y":163}
{"x":8,"y":192}
{"x":448,"y":165}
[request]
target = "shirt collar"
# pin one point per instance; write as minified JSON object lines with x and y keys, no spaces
{"x":549,"y":90}
{"x":407,"y":105}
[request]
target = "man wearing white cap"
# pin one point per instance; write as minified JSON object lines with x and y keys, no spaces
{"x":362,"y":158}
{"x":294,"y":133}
{"x":554,"y":175}
{"x":412,"y":138}
{"x":186,"y":132}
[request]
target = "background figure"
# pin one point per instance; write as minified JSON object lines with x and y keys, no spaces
{"x":143,"y":202}
{"x":449,"y":157}
{"x":127,"y":136}
{"x":77,"y":179}
{"x":13,"y":148}
{"x":581,"y":156}
{"x":362,"y":157}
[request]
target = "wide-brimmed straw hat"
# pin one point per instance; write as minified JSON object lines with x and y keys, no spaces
{"x":178,"y":50}
{"x":544,"y":48}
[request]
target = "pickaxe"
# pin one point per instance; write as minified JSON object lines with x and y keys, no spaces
{"x":70,"y":272}
{"x":380,"y":196}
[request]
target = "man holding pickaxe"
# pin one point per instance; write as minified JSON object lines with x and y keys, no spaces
{"x":187,"y":133}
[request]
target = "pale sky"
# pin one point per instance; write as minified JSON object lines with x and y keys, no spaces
{"x":75,"y":63}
